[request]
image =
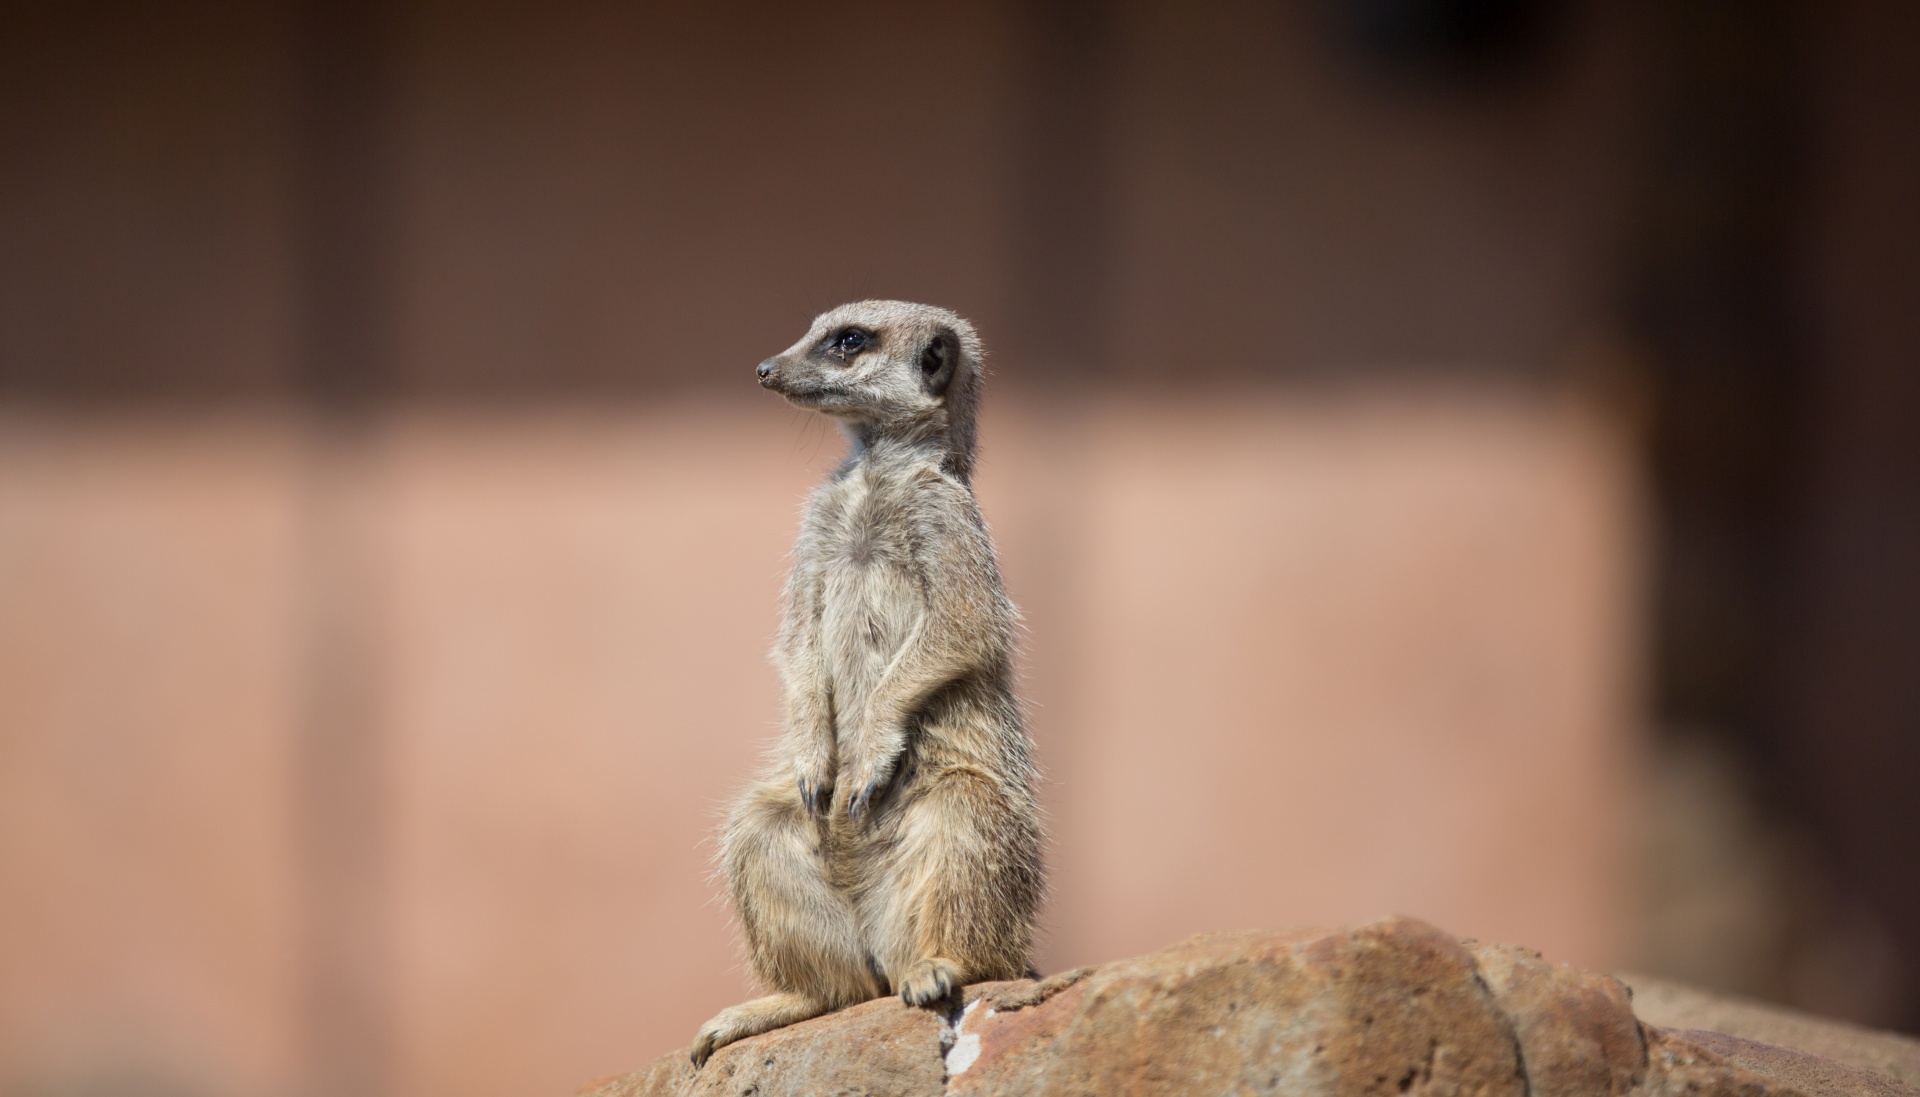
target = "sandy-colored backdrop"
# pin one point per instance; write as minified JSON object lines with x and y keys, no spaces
{"x":1296,"y":657}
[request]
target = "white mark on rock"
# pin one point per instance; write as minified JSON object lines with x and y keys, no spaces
{"x":966,"y":1045}
{"x":966,"y":1050}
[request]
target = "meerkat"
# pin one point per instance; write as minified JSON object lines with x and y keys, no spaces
{"x":894,"y":844}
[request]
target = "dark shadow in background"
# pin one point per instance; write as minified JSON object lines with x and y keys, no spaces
{"x":345,"y":168}
{"x":1772,"y":281}
{"x":1064,"y":202}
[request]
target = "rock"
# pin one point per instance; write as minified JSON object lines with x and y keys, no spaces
{"x":1577,"y":1030}
{"x":880,"y":1048}
{"x":1810,"y":1074}
{"x":1391,"y":1008}
{"x":1384,"y":1009}
{"x":1672,"y":1005}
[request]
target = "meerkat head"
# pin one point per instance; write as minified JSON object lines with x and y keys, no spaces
{"x":887,"y":368}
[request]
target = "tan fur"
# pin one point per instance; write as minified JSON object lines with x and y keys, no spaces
{"x":895,"y":844}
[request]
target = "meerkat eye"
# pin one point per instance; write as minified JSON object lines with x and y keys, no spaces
{"x":849,"y":343}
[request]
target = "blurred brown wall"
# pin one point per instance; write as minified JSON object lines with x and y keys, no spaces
{"x":604,"y":198}
{"x":1311,"y":658}
{"x":149,"y":672}
{"x":388,"y":538}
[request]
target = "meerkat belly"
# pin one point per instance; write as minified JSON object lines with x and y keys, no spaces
{"x":871,"y":606}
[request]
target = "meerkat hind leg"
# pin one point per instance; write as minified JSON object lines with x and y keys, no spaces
{"x":751,"y":1019}
{"x":968,"y":916}
{"x":801,"y":931}
{"x":801,"y":934}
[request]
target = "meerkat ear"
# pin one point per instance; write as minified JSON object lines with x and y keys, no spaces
{"x":937,"y":362}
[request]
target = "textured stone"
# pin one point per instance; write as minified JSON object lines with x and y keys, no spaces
{"x":1672,"y":1005}
{"x":1677,"y":1068}
{"x":880,"y":1048}
{"x":1810,"y":1074}
{"x":1391,"y":1008}
{"x":1576,"y":1029}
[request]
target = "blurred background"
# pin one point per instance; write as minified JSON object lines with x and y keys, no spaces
{"x":1456,"y":457}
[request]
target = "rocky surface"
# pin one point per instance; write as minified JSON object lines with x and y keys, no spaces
{"x":1672,"y":1005}
{"x":1380,"y":1010}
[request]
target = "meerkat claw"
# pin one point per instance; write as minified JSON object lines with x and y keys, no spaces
{"x":928,"y":982}
{"x":810,"y":796}
{"x":858,"y":803}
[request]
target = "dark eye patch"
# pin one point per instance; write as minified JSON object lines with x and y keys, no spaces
{"x":848,"y":342}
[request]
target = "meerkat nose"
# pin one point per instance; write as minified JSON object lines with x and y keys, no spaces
{"x":767,"y":370}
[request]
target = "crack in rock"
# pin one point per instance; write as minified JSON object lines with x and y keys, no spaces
{"x":962,"y":1047}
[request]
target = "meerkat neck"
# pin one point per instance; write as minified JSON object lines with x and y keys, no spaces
{"x":927,"y":437}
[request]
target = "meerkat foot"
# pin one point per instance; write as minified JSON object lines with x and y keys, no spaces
{"x":751,"y":1019}
{"x":929,"y":981}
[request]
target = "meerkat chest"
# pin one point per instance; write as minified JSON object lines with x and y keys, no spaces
{"x":871,"y":594}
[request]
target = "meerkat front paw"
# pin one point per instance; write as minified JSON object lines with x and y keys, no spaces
{"x":813,"y":778}
{"x":929,"y":981}
{"x":864,"y":784}
{"x":815,"y":794}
